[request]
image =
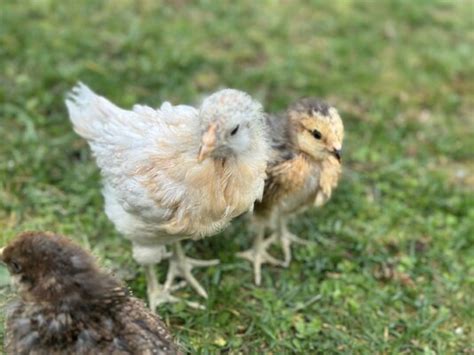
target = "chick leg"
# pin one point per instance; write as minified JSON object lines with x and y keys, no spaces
{"x":180,"y":266}
{"x":286,"y":238}
{"x":258,"y":254}
{"x":149,"y":255}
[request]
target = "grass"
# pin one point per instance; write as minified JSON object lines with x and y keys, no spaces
{"x":393,"y":266}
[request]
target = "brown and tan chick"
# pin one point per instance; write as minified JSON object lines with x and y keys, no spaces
{"x":304,"y":168}
{"x":68,"y":305}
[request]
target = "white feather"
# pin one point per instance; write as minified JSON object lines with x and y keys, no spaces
{"x":147,"y":158}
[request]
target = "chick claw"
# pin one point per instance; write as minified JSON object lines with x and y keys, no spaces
{"x":258,"y":255}
{"x":286,"y":238}
{"x":161,"y":295}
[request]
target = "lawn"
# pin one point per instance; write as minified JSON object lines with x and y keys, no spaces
{"x":392,"y":268}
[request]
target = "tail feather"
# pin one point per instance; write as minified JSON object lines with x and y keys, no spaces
{"x":97,"y":119}
{"x":82,"y":104}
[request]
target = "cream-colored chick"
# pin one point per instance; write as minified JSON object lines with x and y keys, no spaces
{"x":174,"y":173}
{"x":304,"y":168}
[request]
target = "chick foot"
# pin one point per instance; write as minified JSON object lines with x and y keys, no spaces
{"x":157,"y":294}
{"x":258,"y":255}
{"x":180,"y":266}
{"x":286,"y":239}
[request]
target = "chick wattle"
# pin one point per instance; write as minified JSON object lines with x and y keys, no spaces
{"x":68,"y":305}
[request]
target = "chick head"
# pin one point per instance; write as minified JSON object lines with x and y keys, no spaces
{"x":317,"y":129}
{"x":231,"y":123}
{"x":46,"y":267}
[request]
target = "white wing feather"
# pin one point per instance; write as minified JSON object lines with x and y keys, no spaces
{"x":124,"y":142}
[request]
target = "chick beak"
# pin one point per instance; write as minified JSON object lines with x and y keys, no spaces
{"x":337,"y":153}
{"x":208,"y":143}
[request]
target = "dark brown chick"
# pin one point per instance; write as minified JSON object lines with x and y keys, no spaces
{"x":67,"y":305}
{"x":304,"y":168}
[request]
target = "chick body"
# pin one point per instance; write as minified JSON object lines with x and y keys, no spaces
{"x":174,"y":173}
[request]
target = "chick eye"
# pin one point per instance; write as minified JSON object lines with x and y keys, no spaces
{"x":235,"y":130}
{"x":14,"y":267}
{"x":316,"y":134}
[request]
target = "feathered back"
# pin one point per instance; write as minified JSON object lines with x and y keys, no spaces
{"x":281,"y":138}
{"x":68,"y":305}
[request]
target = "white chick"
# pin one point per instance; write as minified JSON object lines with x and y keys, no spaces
{"x":174,"y":173}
